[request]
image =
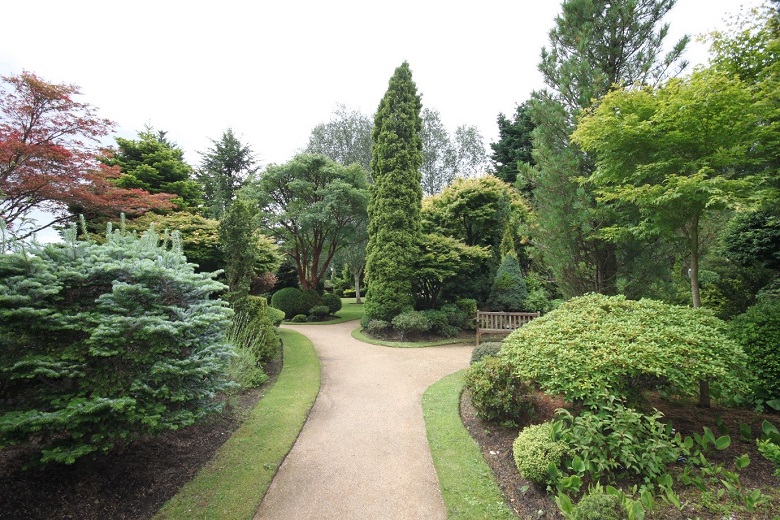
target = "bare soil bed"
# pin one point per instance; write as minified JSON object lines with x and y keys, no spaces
{"x":528,"y":500}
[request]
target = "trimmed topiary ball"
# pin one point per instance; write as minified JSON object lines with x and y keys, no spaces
{"x":534,"y":450}
{"x":332,"y":301}
{"x":288,"y":300}
{"x":308,"y":300}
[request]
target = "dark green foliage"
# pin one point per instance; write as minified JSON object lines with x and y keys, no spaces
{"x":319,"y":312}
{"x":490,"y":348}
{"x":308,"y":300}
{"x":332,"y":301}
{"x":223,"y":170}
{"x":438,"y":323}
{"x":758,"y":331}
{"x":252,"y":312}
{"x":155,"y":164}
{"x":508,"y":292}
{"x":103,"y":343}
{"x":411,"y":323}
{"x":754,"y":238}
{"x":312,"y":207}
{"x":245,"y":251}
{"x":599,"y":506}
{"x":495,"y":393}
{"x":377,"y":328}
{"x":394,"y":205}
{"x":469,"y":308}
{"x":514,"y":144}
{"x":455,"y":316}
{"x":288,"y":301}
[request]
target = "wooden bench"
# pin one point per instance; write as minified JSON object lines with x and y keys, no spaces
{"x":502,"y":322}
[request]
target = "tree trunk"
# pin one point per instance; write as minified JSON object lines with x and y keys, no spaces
{"x":693,"y":274}
{"x":357,"y":289}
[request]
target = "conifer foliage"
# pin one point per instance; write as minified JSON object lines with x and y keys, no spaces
{"x":101,"y":343}
{"x":509,"y":291}
{"x":396,"y":198}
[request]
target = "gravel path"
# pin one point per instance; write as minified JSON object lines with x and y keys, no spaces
{"x":363,"y":453}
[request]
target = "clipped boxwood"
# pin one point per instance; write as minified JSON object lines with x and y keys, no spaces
{"x":332,"y":301}
{"x":534,"y":449}
{"x":597,"y":505}
{"x":275,"y":315}
{"x":288,"y":300}
{"x":319,"y":312}
{"x":309,"y":300}
{"x":758,"y":331}
{"x":299,"y":318}
{"x":495,"y":393}
{"x":410,"y":323}
{"x":598,"y":345}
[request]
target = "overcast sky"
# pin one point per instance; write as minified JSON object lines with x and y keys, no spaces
{"x":273,"y":70}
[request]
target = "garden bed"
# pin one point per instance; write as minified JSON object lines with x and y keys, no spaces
{"x":531,"y":501}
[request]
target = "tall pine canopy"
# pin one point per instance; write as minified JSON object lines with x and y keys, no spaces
{"x":396,"y":198}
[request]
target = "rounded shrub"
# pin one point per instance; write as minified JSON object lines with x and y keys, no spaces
{"x":299,"y":318}
{"x":438,"y":323}
{"x":253,"y":329}
{"x":489,"y":348}
{"x":308,"y":300}
{"x":410,"y":323}
{"x":455,"y":316}
{"x":534,"y":449}
{"x":275,"y":315}
{"x":377,"y":328}
{"x":596,"y":344}
{"x":758,"y":331}
{"x":332,"y":301}
{"x":597,"y":505}
{"x":495,"y":393}
{"x":469,"y":307}
{"x":319,"y":312}
{"x":287,"y":300}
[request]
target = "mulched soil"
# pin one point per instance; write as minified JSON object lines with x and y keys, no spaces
{"x":528,"y":500}
{"x":129,"y":484}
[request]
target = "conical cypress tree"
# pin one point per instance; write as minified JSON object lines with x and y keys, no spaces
{"x":509,"y":291}
{"x":396,"y":198}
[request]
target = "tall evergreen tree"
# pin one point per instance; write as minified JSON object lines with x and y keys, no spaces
{"x":223,"y":170}
{"x":514,"y":143}
{"x":396,"y":198}
{"x":595,"y":44}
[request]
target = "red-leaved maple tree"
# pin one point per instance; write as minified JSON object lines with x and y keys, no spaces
{"x":48,"y":157}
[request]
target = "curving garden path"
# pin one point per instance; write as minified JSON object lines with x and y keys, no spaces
{"x":363,"y":452}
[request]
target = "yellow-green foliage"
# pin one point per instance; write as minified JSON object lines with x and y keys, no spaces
{"x":534,"y":450}
{"x":598,"y":344}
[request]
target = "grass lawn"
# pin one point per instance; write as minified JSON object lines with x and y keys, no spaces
{"x":467,"y":484}
{"x":350,"y":311}
{"x":234,"y":483}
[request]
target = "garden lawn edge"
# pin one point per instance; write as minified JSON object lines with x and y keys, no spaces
{"x":358,"y":335}
{"x":233,"y":484}
{"x":467,"y":484}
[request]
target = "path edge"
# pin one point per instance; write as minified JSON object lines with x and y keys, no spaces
{"x":234,"y":482}
{"x":466,"y":482}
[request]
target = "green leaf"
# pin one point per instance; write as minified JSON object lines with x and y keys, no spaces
{"x":742,"y":461}
{"x":723,"y":442}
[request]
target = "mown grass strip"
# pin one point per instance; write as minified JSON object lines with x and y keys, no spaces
{"x":358,"y":335}
{"x":233,"y":484}
{"x":467,"y":484}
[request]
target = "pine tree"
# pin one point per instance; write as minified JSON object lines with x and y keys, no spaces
{"x":396,"y":198}
{"x":595,"y":44}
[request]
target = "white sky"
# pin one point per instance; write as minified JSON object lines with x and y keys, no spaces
{"x":273,"y":70}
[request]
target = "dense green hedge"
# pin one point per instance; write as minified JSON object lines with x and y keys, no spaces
{"x":758,"y":331}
